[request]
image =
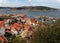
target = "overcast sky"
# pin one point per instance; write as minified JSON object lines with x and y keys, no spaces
{"x":18,"y":3}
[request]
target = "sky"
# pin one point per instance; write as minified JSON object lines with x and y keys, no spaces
{"x":19,"y":3}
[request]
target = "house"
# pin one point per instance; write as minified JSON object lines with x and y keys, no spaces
{"x":3,"y":39}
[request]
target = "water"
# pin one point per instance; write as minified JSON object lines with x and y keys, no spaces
{"x":55,"y":13}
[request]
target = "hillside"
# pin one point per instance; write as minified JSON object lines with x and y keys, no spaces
{"x":29,"y":8}
{"x":35,"y":8}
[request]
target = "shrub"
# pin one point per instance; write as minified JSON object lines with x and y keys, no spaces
{"x":18,"y":40}
{"x":47,"y":35}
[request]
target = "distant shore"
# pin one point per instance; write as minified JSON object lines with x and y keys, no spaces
{"x":30,"y":8}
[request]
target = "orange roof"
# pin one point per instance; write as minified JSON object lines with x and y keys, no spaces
{"x":6,"y":15}
{"x":27,"y":27}
{"x":21,"y":15}
{"x":4,"y":39}
{"x":17,"y":26}
{"x":1,"y":39}
{"x":27,"y":23}
{"x":9,"y":28}
{"x":1,"y":24}
{"x":5,"y":20}
{"x":27,"y":18}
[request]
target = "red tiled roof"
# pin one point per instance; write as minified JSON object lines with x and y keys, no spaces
{"x":21,"y":15}
{"x":2,"y":38}
{"x":17,"y":26}
{"x":27,"y":27}
{"x":1,"y":24}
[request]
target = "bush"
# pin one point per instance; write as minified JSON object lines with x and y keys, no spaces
{"x":18,"y":40}
{"x":47,"y":35}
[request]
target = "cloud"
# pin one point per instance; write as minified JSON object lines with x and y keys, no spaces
{"x":58,"y":0}
{"x":29,"y":0}
{"x":44,"y":0}
{"x":16,"y":3}
{"x":2,"y":1}
{"x":9,"y":3}
{"x":35,"y":0}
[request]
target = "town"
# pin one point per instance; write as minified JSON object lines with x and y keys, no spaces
{"x":16,"y":24}
{"x":20,"y":25}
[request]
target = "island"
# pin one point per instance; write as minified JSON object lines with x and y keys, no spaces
{"x":34,"y":8}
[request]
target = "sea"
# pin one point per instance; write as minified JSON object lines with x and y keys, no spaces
{"x":32,"y":13}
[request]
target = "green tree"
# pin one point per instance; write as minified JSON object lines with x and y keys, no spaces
{"x":18,"y":40}
{"x":47,"y":35}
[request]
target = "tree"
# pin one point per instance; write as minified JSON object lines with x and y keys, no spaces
{"x":47,"y":35}
{"x":18,"y":39}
